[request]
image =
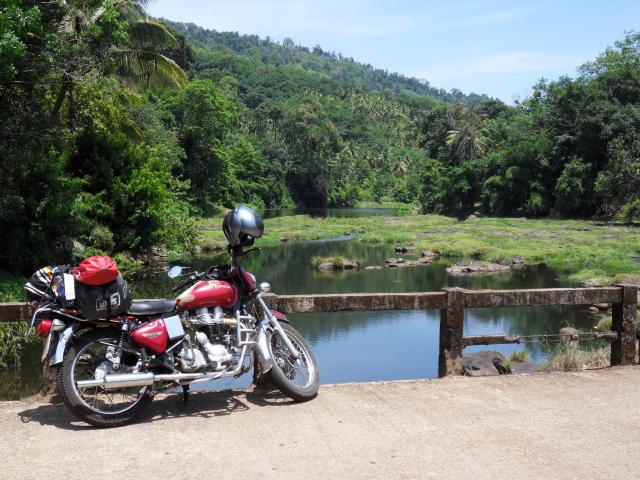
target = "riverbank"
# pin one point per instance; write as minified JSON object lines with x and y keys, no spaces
{"x":582,"y":251}
{"x":513,"y":426}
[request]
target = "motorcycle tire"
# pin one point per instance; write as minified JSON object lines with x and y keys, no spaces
{"x":93,"y":414}
{"x":284,"y":366}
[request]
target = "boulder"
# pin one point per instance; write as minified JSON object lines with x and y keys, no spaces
{"x":517,"y":262}
{"x":592,"y":282}
{"x":401,"y":249}
{"x":373,"y":267}
{"x":429,"y":254}
{"x":345,"y":264}
{"x":395,"y":262}
{"x":484,"y":364}
{"x":602,"y":306}
{"x":423,"y":260}
{"x":477,"y":268}
{"x":327,"y":266}
{"x":350,"y":264}
{"x":408,"y":263}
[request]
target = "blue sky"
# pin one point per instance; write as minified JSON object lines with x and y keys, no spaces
{"x":500,"y":48}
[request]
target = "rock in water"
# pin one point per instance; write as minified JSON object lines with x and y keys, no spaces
{"x":477,"y":268}
{"x":484,"y":364}
{"x":395,"y":262}
{"x":517,"y":262}
{"x":343,"y":264}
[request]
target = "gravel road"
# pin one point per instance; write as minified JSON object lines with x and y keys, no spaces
{"x":545,"y":426}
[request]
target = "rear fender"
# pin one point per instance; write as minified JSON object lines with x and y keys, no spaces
{"x":59,"y":345}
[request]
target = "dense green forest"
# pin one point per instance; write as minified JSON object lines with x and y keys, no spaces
{"x":119,"y":129}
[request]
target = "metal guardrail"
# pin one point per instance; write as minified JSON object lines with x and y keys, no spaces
{"x":452,"y":303}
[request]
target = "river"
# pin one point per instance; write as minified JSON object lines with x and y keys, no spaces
{"x":365,"y":346}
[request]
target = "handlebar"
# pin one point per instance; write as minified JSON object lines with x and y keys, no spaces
{"x":212,"y":272}
{"x":191,"y":279}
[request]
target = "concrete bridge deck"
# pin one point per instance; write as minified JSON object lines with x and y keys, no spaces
{"x":545,"y":426}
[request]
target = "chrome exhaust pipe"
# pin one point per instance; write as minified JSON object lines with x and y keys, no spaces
{"x":125,"y":380}
{"x":146,"y":379}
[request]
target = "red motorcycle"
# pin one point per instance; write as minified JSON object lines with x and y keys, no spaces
{"x":113,"y":355}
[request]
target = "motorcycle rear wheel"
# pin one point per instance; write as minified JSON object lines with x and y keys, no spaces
{"x":296,"y":378}
{"x":97,"y":406}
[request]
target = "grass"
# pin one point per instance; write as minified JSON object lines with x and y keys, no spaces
{"x":518,"y":356}
{"x":337,"y":261}
{"x":570,"y":356}
{"x":578,"y":250}
{"x":11,"y":334}
{"x":604,"y":325}
{"x":515,"y":357}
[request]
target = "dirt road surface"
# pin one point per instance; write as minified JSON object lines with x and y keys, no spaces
{"x":546,"y":426}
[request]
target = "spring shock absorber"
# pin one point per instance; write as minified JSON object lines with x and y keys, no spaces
{"x":117,"y":355}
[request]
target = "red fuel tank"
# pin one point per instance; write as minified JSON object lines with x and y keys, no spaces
{"x":152,"y":336}
{"x":208,"y":293}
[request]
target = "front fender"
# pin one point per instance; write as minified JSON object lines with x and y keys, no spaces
{"x":281,"y":317}
{"x":264,"y":355}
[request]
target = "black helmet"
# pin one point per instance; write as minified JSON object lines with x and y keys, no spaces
{"x":241,"y":225}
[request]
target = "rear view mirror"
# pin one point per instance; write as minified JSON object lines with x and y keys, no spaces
{"x":174,"y":271}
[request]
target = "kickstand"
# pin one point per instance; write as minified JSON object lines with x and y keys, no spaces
{"x":185,"y":394}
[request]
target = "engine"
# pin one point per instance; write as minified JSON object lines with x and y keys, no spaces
{"x":213,"y":334}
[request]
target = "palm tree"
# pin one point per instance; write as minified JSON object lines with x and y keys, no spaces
{"x":139,"y":62}
{"x":468,"y":137}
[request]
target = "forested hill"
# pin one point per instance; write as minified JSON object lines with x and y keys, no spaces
{"x":221,"y":47}
{"x":118,"y":130}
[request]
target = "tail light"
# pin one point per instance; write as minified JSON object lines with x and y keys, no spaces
{"x":43,"y":328}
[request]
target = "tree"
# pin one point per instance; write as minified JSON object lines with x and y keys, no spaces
{"x":122,"y":39}
{"x":202,"y":117}
{"x":467,"y":137}
{"x":312,"y":140}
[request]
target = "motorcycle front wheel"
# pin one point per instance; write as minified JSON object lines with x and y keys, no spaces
{"x":297,"y":378}
{"x":88,"y":359}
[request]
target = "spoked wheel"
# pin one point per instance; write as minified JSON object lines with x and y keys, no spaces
{"x":297,"y":378}
{"x":90,"y":359}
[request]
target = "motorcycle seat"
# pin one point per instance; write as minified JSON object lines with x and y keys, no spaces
{"x":151,"y":307}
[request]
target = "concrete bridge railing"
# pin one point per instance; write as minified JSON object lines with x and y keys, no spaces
{"x":452,"y":303}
